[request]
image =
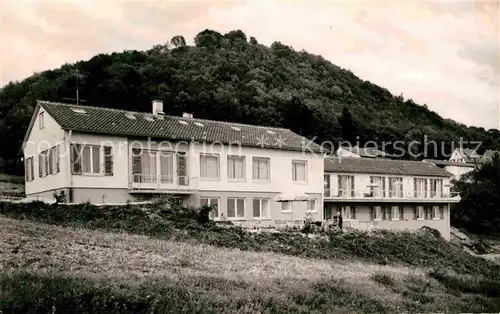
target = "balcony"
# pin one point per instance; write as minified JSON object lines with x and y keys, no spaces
{"x":378,"y":196}
{"x":148,"y":183}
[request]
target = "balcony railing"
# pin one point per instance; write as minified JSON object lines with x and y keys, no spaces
{"x":387,"y":194}
{"x":141,"y":181}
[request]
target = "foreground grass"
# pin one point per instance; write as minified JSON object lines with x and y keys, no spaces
{"x":165,"y":221}
{"x":58,"y":269}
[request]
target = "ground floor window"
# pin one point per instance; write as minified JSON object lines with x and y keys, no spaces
{"x":211,"y":201}
{"x":260,"y":208}
{"x":311,"y":206}
{"x":419,"y":213}
{"x":376,"y":213}
{"x":348,"y":212}
{"x":437,"y":212}
{"x":235,"y":208}
{"x":286,"y":206}
{"x":397,"y":212}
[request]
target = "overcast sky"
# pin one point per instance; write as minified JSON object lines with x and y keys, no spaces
{"x":442,"y":53}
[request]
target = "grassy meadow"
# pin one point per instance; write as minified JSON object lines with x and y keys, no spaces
{"x":88,"y":259}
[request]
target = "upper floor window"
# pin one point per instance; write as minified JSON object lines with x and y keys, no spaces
{"x":396,"y":187}
{"x":327,"y":185}
{"x":436,"y":187}
{"x":377,"y":186}
{"x":420,"y":187}
{"x":236,"y":167}
{"x":40,"y":120}
{"x":214,"y":203}
{"x":261,"y":168}
{"x":29,"y":169}
{"x":209,"y":166}
{"x":299,"y":171}
{"x":346,"y":185}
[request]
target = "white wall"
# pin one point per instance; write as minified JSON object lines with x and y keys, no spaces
{"x":120,"y":177}
{"x":280,"y":170}
{"x":39,"y":140}
{"x":458,"y":171}
{"x":361,"y":182}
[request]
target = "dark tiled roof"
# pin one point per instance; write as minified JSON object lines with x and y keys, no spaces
{"x":100,"y":120}
{"x":384,"y":166}
{"x":449,"y":163}
{"x":370,"y":152}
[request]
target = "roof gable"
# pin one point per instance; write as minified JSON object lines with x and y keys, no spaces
{"x":384,"y":166}
{"x":97,"y":120}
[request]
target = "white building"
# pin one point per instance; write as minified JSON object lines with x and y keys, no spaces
{"x":103,"y":155}
{"x":388,"y":194}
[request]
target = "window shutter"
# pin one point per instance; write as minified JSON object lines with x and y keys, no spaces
{"x":441,"y":212}
{"x":401,"y":212}
{"x":40,"y":165}
{"x":384,"y":216}
{"x":339,"y":186}
{"x":49,"y":157}
{"x":76,"y":160}
{"x":426,"y":213}
{"x":353,"y":212}
{"x":108,"y":160}
{"x":415,"y":209}
{"x":26,"y":174}
{"x":353,"y":193}
{"x":58,"y":160}
{"x":372,"y":216}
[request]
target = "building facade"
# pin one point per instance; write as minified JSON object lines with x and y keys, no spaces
{"x":107,"y":156}
{"x":388,"y":194}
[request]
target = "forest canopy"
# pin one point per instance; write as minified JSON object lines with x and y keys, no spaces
{"x":234,"y":78}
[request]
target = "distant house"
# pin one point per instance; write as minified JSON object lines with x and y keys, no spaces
{"x":465,"y":155}
{"x":457,"y":168}
{"x":357,"y":152}
{"x":388,"y":194}
{"x":103,"y":155}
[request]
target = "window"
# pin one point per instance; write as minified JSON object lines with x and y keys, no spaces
{"x":236,"y":167}
{"x":166,"y":167}
{"x":377,"y":186}
{"x":214,"y":203}
{"x":311,"y":205}
{"x":299,"y":171}
{"x":348,"y":212}
{"x":209,"y":166}
{"x":29,"y":169}
{"x":397,"y":213}
{"x":286,"y":206}
{"x":437,"y":212}
{"x":346,"y":185}
{"x":53,"y":161}
{"x":40,"y":120}
{"x":235,"y":208}
{"x":260,"y":208}
{"x":396,"y":187}
{"x":419,"y":213}
{"x":420,"y":188}
{"x":91,"y":159}
{"x":327,"y":185}
{"x":436,"y":188}
{"x":43,"y":164}
{"x":376,"y":213}
{"x":260,"y":168}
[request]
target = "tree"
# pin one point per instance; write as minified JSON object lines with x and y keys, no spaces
{"x":209,"y":39}
{"x":178,"y":41}
{"x":479,"y":207}
{"x":349,"y":129}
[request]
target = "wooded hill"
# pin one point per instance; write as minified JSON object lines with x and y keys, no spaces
{"x":232,"y":78}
